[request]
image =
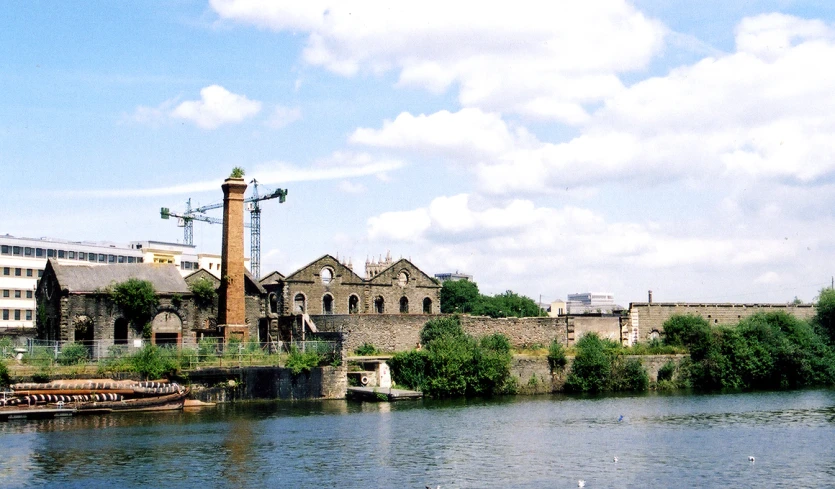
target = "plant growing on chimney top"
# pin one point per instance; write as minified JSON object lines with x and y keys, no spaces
{"x":237,"y":172}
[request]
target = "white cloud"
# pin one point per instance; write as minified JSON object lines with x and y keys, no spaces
{"x":544,"y":59}
{"x":350,"y":187}
{"x":284,"y":116}
{"x":217,"y":106}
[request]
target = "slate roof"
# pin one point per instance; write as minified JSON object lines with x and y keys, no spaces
{"x":90,"y":278}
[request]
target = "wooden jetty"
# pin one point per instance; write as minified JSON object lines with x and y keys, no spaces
{"x":382,"y":394}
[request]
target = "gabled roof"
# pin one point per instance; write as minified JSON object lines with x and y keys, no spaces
{"x":390,"y":273}
{"x":165,"y":278}
{"x":348,"y":275}
{"x":202,"y":274}
{"x":249,"y":279}
{"x":271,"y":278}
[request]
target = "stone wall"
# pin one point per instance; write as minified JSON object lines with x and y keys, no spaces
{"x":250,"y":383}
{"x":522,"y":332}
{"x":606,"y":326}
{"x":649,"y":319}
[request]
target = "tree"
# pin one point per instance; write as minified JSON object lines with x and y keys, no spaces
{"x":459,"y":296}
{"x":684,"y":329}
{"x":137,"y":299}
{"x":204,"y":292}
{"x":825,"y":314}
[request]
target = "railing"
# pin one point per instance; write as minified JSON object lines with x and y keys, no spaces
{"x":209,"y":352}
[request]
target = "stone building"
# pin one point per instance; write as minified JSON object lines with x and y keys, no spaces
{"x":74,"y":304}
{"x":327,"y":287}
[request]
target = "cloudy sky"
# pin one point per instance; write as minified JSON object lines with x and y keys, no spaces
{"x":547,"y":148}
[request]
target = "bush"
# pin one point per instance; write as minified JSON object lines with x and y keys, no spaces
{"x":137,"y":299}
{"x":366,"y":349}
{"x":408,"y":369}
{"x":667,"y":371}
{"x":204,"y":292}
{"x":682,"y":330}
{"x":5,"y":378}
{"x":153,"y":362}
{"x":73,"y":354}
{"x":600,"y":366}
{"x":436,"y":328}
{"x":298,"y":361}
{"x":556,"y":356}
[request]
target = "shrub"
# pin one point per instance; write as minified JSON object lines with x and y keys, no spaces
{"x":298,"y":361}
{"x":366,"y":349}
{"x":667,"y":371}
{"x":683,"y":330}
{"x":137,"y":299}
{"x":73,"y":354}
{"x":600,"y":366}
{"x":153,"y":362}
{"x":408,"y":368}
{"x":436,"y":328}
{"x":5,"y":378}
{"x":204,"y":292}
{"x":628,"y":375}
{"x":556,"y":356}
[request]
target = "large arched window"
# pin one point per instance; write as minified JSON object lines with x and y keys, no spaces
{"x":298,"y":304}
{"x":379,"y":305}
{"x":326,"y":274}
{"x":404,"y":305}
{"x":353,"y":304}
{"x":273,"y":303}
{"x":427,"y":306}
{"x":327,"y":304}
{"x":120,"y":332}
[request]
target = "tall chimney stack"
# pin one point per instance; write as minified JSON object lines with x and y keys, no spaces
{"x":231,"y":303}
{"x":650,"y":297}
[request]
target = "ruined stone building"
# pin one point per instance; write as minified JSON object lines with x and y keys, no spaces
{"x":327,"y":286}
{"x":74,"y":304}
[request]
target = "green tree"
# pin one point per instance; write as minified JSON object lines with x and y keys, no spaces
{"x":204,"y":292}
{"x":137,"y":299}
{"x":445,"y":326}
{"x":681,"y":330}
{"x":459,"y":296}
{"x":511,"y":304}
{"x":825,"y":314}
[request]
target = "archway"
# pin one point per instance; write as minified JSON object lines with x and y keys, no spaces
{"x":299,"y":304}
{"x":167,"y":329}
{"x":353,"y":304}
{"x":427,"y":305}
{"x":120,"y":332}
{"x":327,"y":304}
{"x":404,"y":305}
{"x":379,"y":305}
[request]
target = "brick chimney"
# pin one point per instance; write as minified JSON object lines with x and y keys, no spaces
{"x":231,"y":302}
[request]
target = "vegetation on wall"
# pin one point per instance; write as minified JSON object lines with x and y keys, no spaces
{"x":204,"y":292}
{"x":454,"y":364}
{"x":366,"y":349}
{"x":462,"y":296}
{"x":237,"y":172}
{"x":137,"y":299}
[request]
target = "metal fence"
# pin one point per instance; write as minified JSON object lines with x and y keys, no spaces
{"x":207,"y":352}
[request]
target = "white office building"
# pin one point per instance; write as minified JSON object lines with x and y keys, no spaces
{"x":590,"y":302}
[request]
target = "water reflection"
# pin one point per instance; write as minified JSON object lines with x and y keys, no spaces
{"x":660,"y":441}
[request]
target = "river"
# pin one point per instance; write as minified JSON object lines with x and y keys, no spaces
{"x":660,"y":441}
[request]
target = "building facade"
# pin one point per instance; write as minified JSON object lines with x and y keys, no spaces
{"x":590,"y":302}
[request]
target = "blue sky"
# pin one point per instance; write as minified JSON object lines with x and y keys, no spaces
{"x":683,"y":147}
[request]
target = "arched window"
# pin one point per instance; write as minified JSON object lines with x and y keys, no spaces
{"x":298,"y":304}
{"x":403,"y":278}
{"x":404,"y":305}
{"x":326,"y":274}
{"x":327,"y":304}
{"x":427,"y":306}
{"x":353,"y":304}
{"x":273,"y":303}
{"x":379,"y":305}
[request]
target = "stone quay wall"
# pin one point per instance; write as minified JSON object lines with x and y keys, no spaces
{"x":252,"y":383}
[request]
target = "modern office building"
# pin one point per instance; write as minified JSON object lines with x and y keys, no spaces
{"x":443,"y":277}
{"x":590,"y":302}
{"x":22,"y":261}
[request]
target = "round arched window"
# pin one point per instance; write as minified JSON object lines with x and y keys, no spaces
{"x":327,"y":275}
{"x":403,"y":278}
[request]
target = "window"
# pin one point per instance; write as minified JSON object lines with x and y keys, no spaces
{"x":353,"y":304}
{"x":404,"y":305}
{"x":298,"y":304}
{"x":28,"y":251}
{"x":121,"y":259}
{"x":427,"y":305}
{"x":131,"y":259}
{"x":140,"y":260}
{"x":327,"y":304}
{"x":91,"y":257}
{"x":5,"y":314}
{"x":403,"y":278}
{"x":39,"y":252}
{"x":6,"y":249}
{"x":5,"y":292}
{"x":40,"y":273}
{"x":28,"y":294}
{"x":17,"y":294}
{"x":18,"y":272}
{"x":17,"y":314}
{"x":28,"y":314}
{"x":327,"y":275}
{"x":29,"y":272}
{"x":62,"y":254}
{"x":82,"y":255}
{"x":111,"y":258}
{"x":71,"y":255}
{"x":7,"y":271}
{"x":17,"y":250}
{"x":50,"y":253}
{"x":186,"y":265}
{"x":102,"y":258}
{"x":379,"y":305}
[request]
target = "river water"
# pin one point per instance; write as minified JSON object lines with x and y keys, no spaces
{"x":661,"y":441}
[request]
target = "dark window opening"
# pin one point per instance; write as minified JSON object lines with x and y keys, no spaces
{"x":427,"y":306}
{"x":327,"y":304}
{"x":120,"y":332}
{"x":379,"y":305}
{"x":353,"y":304}
{"x":404,"y":305}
